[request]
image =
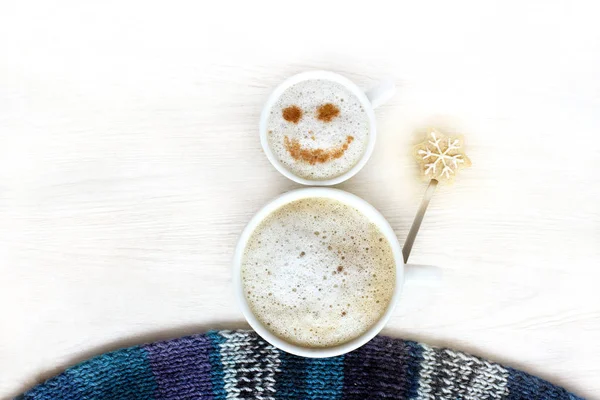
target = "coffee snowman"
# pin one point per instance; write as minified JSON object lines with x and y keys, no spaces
{"x":318,"y":128}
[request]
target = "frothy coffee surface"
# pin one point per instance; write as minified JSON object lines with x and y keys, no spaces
{"x":318,"y":273}
{"x":318,"y":129}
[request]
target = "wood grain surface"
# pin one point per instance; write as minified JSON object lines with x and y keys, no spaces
{"x":130,"y":161}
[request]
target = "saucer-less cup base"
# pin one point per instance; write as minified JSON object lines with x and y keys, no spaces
{"x":370,"y":212}
{"x":369,"y":100}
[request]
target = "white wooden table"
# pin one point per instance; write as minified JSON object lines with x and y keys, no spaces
{"x":130,"y":162}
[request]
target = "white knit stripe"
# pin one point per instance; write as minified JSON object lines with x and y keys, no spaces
{"x":425,"y":391}
{"x":235,"y":350}
{"x":490,"y":382}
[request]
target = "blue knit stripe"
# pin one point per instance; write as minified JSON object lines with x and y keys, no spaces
{"x":412,"y":367}
{"x":218,"y":383}
{"x":290,"y":383}
{"x":325,"y":378}
{"x":121,"y":374}
{"x":61,"y":386}
{"x":522,"y":386}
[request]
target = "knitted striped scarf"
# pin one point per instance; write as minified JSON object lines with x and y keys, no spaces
{"x":240,"y":365}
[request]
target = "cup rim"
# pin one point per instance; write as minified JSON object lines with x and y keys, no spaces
{"x":347,"y":198}
{"x":326,"y":75}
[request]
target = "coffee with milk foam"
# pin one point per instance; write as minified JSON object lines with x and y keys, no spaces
{"x":318,"y":129}
{"x":318,"y":273}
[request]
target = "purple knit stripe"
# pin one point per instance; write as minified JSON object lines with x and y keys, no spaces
{"x":181,"y":368}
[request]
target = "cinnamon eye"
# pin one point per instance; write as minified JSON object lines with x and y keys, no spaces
{"x":326,"y":112}
{"x":292,"y":114}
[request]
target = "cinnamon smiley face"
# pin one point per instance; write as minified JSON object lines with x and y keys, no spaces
{"x":318,"y":129}
{"x":325,"y":113}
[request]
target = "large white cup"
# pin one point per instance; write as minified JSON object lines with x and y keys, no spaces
{"x":369,"y":100}
{"x":428,"y":273}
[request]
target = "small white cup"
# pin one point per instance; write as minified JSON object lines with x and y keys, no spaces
{"x":426,"y":273}
{"x":370,"y":100}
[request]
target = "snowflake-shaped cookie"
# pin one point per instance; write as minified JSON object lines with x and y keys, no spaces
{"x":441,"y":156}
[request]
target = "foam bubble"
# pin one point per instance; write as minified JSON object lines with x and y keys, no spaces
{"x":318,"y":290}
{"x":312,"y":133}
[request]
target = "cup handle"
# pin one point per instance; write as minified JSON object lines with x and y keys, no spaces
{"x":381,"y":93}
{"x":423,"y":275}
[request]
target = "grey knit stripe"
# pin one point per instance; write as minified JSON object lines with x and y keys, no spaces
{"x":426,"y":374}
{"x":446,"y":374}
{"x":249,"y":373}
{"x":439,"y":377}
{"x":490,"y":382}
{"x":449,"y":374}
{"x":270,"y":362}
{"x":464,"y":368}
{"x":236,"y":353}
{"x":249,"y":366}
